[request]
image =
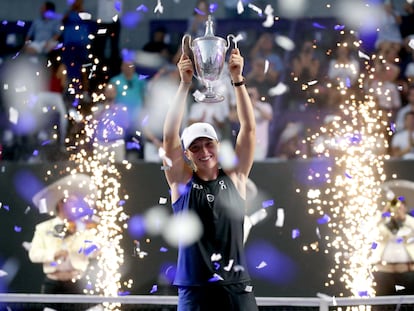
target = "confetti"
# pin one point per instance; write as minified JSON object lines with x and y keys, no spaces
{"x":280,"y":218}
{"x":85,"y":16}
{"x":285,"y":42}
{"x":279,"y":89}
{"x":295,"y":233}
{"x":154,"y":289}
{"x":142,"y":8}
{"x":240,"y":7}
{"x":159,"y":7}
{"x":216,"y":278}
{"x":270,"y":19}
{"x":215,"y":257}
{"x":261,"y":265}
{"x":229,"y":266}
{"x":227,"y":155}
{"x":324,"y":219}
{"x":182,"y":229}
{"x":255,"y":8}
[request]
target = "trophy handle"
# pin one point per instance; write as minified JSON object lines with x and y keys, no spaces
{"x":183,"y":42}
{"x":228,"y":41}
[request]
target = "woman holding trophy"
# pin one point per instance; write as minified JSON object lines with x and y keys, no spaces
{"x":211,"y":272}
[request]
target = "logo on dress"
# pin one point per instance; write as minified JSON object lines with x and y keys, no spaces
{"x":222,"y":185}
{"x":197,"y":186}
{"x":210,"y":197}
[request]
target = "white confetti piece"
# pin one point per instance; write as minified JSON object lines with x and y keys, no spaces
{"x":411,"y":43}
{"x":270,"y":18}
{"x":255,"y":8}
{"x":85,"y":16}
{"x":215,"y":257}
{"x":240,"y":7}
{"x":285,"y":42}
{"x":399,"y":287}
{"x":266,"y":66}
{"x":159,"y":8}
{"x":258,"y":216}
{"x":227,"y":155}
{"x":279,"y":89}
{"x":3,"y":273}
{"x":198,"y":96}
{"x":261,"y":265}
{"x":229,"y":266}
{"x":363,"y":55}
{"x":13,"y":115}
{"x":280,"y":217}
{"x":42,"y":206}
{"x":183,"y":229}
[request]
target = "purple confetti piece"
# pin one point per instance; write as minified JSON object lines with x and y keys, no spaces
{"x":35,"y":153}
{"x":400,"y":240}
{"x":163,"y":249}
{"x":215,"y":278}
{"x":4,"y":22}
{"x":393,"y":127}
{"x":142,"y":8}
{"x":348,"y":82}
{"x":20,"y":23}
{"x":268,"y":203}
{"x":213,"y":7}
{"x":363,"y":293}
{"x":317,"y":25}
{"x":216,"y":266}
{"x":121,"y":203}
{"x":89,"y":250}
{"x":53,"y":263}
{"x":145,"y":120}
{"x":46,"y":142}
{"x":339,"y":27}
{"x":374,"y":245}
{"x":132,"y":145}
{"x":123,"y":293}
{"x":154,"y":289}
{"x":75,"y":102}
{"x":17,"y":229}
{"x":199,"y":12}
{"x":347,"y":175}
{"x":6,"y":207}
{"x":295,"y":233}
{"x":143,"y":77}
{"x":386,"y":214}
{"x":118,"y":5}
{"x":324,"y":219}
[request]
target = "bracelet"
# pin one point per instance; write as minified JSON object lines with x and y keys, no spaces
{"x":242,"y":82}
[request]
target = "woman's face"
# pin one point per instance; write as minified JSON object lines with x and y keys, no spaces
{"x":203,"y":152}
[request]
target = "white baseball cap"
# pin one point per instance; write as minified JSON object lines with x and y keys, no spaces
{"x":197,"y":130}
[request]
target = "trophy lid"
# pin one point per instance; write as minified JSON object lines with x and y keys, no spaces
{"x":209,"y":27}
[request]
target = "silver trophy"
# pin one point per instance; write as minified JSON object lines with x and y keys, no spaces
{"x":209,"y":57}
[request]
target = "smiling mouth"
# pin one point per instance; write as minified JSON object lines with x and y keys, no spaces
{"x":205,"y":158}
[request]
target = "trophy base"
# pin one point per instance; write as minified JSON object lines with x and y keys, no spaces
{"x":210,"y":98}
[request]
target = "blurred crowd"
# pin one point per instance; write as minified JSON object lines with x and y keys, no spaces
{"x":73,"y":85}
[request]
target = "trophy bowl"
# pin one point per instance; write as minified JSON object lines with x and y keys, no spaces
{"x":209,"y":54}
